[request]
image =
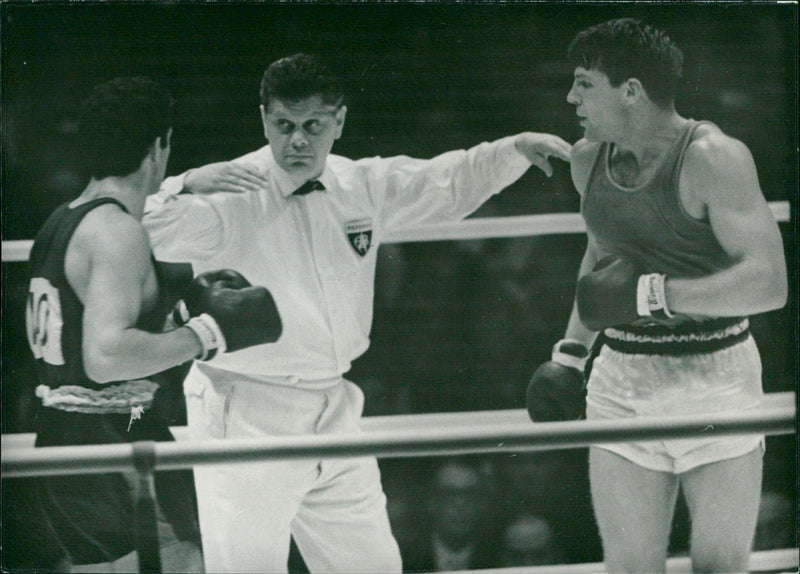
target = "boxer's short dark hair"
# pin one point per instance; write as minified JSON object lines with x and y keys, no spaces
{"x":627,"y":48}
{"x":119,"y":121}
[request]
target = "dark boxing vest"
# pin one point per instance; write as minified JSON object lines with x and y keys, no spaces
{"x":649,"y":225}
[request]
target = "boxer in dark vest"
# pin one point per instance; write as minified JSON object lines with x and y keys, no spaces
{"x":97,"y":326}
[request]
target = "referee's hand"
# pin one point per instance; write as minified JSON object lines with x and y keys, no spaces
{"x":223,"y":176}
{"x":538,"y":148}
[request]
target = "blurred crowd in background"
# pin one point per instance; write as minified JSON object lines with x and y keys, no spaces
{"x":459,"y":325}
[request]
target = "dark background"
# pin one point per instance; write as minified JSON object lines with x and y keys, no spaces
{"x":458,"y":325}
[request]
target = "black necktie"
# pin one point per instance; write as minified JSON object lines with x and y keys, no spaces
{"x":308,"y":187}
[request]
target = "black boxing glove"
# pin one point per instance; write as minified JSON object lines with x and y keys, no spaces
{"x":616,"y":292}
{"x":227,"y":313}
{"x":557,"y":391}
{"x":195,"y":287}
{"x":222,"y":277}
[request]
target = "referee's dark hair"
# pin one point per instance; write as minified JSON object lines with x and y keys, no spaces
{"x":298,"y":77}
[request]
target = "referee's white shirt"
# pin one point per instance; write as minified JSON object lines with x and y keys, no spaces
{"x":298,"y":246}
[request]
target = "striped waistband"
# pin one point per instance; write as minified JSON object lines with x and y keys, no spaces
{"x":689,"y":338}
{"x":120,"y":398}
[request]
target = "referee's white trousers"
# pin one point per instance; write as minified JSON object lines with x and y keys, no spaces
{"x":334,"y":508}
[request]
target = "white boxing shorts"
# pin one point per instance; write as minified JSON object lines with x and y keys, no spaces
{"x":625,"y":383}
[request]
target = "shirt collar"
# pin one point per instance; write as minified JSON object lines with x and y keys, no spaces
{"x":286,"y":184}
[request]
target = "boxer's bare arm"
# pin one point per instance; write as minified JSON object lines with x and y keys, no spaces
{"x":556,"y":390}
{"x":720,"y":174}
{"x":575,"y":328}
{"x":108,"y":264}
{"x":583,"y":154}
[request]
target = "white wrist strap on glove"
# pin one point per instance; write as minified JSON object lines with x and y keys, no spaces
{"x":651,"y":301}
{"x":210,"y":335}
{"x":571,"y":359}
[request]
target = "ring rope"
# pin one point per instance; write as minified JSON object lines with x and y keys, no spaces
{"x":781,"y":560}
{"x":517,"y":433}
{"x":386,"y":436}
{"x":476,"y":228}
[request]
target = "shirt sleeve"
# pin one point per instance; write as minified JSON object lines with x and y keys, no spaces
{"x":171,"y":186}
{"x":182,"y":227}
{"x":447,"y":187}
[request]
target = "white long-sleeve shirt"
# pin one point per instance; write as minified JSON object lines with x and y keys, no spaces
{"x":316,"y":253}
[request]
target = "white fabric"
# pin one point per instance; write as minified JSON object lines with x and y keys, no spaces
{"x":651,"y":298}
{"x":624,"y":385}
{"x":570,"y":360}
{"x":335,"y":509}
{"x":116,"y":398}
{"x":298,"y":248}
{"x":323,"y":284}
{"x":212,"y":339}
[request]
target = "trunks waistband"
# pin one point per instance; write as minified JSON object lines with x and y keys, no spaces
{"x":120,"y":398}
{"x":689,"y":338}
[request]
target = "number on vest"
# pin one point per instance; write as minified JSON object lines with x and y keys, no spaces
{"x":43,"y":321}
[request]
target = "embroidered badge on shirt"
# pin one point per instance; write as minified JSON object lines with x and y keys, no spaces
{"x":359,"y":233}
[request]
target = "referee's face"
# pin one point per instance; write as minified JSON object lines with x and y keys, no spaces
{"x":301,"y":134}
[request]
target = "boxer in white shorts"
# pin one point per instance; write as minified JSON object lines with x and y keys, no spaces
{"x":628,"y":384}
{"x":682,"y":247}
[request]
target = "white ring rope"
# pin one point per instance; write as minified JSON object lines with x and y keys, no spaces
{"x":426,"y":434}
{"x":762,"y":561}
{"x":477,"y":228}
{"x":462,"y":433}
